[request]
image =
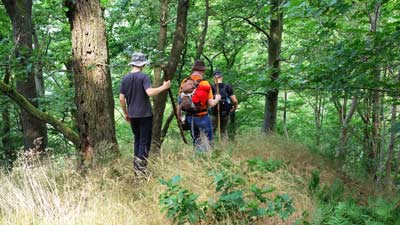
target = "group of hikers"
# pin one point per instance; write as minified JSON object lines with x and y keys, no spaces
{"x":197,"y":99}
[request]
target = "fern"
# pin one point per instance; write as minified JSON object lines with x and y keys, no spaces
{"x":379,"y":212}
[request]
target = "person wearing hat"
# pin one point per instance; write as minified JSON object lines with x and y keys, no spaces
{"x":228,"y":104}
{"x":134,"y":96}
{"x":198,"y":120}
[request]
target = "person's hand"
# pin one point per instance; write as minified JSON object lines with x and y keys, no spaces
{"x":233,"y":109}
{"x":167,"y":84}
{"x":218,"y":97}
{"x":127,"y":118}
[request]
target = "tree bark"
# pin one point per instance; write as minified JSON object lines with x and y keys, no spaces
{"x":318,"y":115}
{"x":20,"y":13}
{"x":158,"y":110}
{"x":392,"y":142}
{"x":70,"y":76}
{"x":345,"y":120}
{"x":166,"y":126}
{"x":9,"y":154}
{"x":274,"y":50}
{"x":389,"y":161}
{"x":39,"y":79}
{"x":285,"y":130}
{"x":376,"y":100}
{"x":202,"y":39}
{"x":169,"y":69}
{"x":93,"y":91}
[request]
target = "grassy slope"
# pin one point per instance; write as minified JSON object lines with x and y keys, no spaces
{"x":54,"y":192}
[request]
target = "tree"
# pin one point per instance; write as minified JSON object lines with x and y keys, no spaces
{"x":162,"y":42}
{"x":274,"y":51}
{"x":255,"y":16}
{"x":20,"y":13}
{"x":93,"y":90}
{"x":170,"y":68}
{"x":202,"y":38}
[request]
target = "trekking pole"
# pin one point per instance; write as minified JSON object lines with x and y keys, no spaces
{"x":218,"y":116}
{"x":176,"y":115}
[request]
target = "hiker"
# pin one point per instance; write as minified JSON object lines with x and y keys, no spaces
{"x":228,"y":104}
{"x":194,"y":99}
{"x":134,"y":99}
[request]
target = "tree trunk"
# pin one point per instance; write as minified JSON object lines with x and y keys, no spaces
{"x":376,"y":99}
{"x":20,"y":13}
{"x":9,"y":154}
{"x":169,"y":70}
{"x":397,"y":169}
{"x":341,"y":151}
{"x":392,"y":142}
{"x":70,"y":76}
{"x":318,"y":115}
{"x":389,"y":161}
{"x":166,"y":126}
{"x":93,"y":91}
{"x":365,"y":113}
{"x":202,"y":39}
{"x":39,"y":79}
{"x":274,"y":50}
{"x":285,"y":130}
{"x":158,"y":109}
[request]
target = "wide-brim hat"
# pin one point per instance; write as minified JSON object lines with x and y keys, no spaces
{"x":138,"y":59}
{"x":199,"y":65}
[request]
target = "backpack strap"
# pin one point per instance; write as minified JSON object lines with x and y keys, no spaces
{"x":223,"y":90}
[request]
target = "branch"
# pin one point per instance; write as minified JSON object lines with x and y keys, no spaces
{"x":255,"y":26}
{"x":247,"y":19}
{"x":27,"y":106}
{"x":248,"y":93}
{"x":350,"y":113}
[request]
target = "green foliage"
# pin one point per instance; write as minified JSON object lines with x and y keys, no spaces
{"x":314,"y":182}
{"x":180,"y":203}
{"x":332,"y":193}
{"x":236,"y":200}
{"x":243,"y":202}
{"x":335,"y":209}
{"x":258,"y":164}
{"x":378,"y":211}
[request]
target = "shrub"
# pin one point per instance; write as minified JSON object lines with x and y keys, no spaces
{"x":180,"y":203}
{"x":235,"y":199}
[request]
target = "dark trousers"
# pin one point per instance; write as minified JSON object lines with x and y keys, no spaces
{"x":224,"y":120}
{"x":141,"y":128}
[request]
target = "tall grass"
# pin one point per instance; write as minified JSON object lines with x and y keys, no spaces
{"x":54,"y":191}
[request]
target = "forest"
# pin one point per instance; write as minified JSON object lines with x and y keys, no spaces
{"x":315,"y":138}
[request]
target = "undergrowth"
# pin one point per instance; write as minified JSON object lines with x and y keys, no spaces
{"x":236,"y":200}
{"x":255,"y":180}
{"x":334,"y":208}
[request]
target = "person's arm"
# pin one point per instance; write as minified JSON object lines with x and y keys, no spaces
{"x":213,"y":102}
{"x":155,"y":91}
{"x":234,"y":102}
{"x":123,"y":106}
{"x":213,"y":99}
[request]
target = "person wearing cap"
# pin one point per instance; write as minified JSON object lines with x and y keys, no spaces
{"x":134,"y":96}
{"x":199,"y":121}
{"x":227,"y":105}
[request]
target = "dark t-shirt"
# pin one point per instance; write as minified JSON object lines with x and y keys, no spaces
{"x":228,"y":89}
{"x":134,"y":86}
{"x":226,"y":92}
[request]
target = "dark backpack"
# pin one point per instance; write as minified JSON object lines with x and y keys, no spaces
{"x":225,"y":104}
